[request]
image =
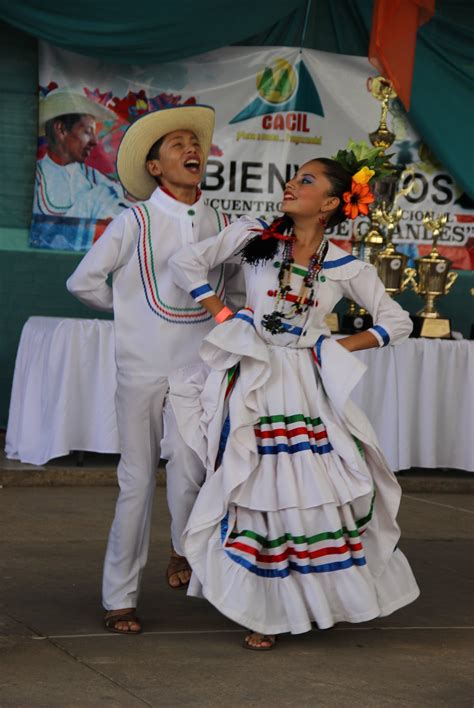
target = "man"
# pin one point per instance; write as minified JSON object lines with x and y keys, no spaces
{"x":65,"y":185}
{"x":158,"y":328}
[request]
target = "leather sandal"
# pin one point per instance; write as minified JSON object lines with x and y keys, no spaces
{"x":111,"y":621}
{"x":270,"y":638}
{"x":176,"y":565}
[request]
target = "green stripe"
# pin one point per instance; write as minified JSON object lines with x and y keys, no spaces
{"x":219,"y":225}
{"x":298,"y":270}
{"x":325,"y":536}
{"x":366,"y":519}
{"x":359,"y":447}
{"x":231,"y":373}
{"x":50,"y":203}
{"x":298,"y":417}
{"x":169,"y":307}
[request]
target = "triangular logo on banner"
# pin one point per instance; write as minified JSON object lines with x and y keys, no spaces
{"x":283,"y":88}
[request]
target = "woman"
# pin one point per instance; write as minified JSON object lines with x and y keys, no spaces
{"x":296,"y":522}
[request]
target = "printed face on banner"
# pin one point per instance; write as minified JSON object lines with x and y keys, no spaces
{"x":276,"y":109}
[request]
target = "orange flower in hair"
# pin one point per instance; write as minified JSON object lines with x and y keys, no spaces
{"x":357,"y":200}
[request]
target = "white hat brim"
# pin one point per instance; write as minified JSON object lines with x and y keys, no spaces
{"x":60,"y":103}
{"x":143,"y":134}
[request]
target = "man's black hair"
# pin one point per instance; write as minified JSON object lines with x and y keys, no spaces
{"x":154,"y":151}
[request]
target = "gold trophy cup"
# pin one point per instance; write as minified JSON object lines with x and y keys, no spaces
{"x":389,"y":262}
{"x":382,"y":89}
{"x":432,"y":278}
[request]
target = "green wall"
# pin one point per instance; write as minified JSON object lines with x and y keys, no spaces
{"x":31,"y":283}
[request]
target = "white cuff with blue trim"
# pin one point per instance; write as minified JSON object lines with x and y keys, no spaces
{"x":381,"y":335}
{"x":201,"y":290}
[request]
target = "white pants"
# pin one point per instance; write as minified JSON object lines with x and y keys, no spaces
{"x":141,"y":417}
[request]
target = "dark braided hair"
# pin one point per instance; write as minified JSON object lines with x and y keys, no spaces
{"x":259,"y":249}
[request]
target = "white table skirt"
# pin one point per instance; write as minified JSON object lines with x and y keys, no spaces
{"x":418,"y":396}
{"x":63,"y":390}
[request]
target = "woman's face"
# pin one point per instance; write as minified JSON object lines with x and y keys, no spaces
{"x":306,"y":194}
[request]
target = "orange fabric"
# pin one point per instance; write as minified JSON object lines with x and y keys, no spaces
{"x":393,"y":40}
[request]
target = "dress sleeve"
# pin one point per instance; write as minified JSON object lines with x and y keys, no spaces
{"x":392,"y":324}
{"x":191,"y":264}
{"x":89,"y":281}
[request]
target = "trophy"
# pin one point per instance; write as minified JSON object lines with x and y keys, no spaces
{"x":390,"y":263}
{"x":432,"y":278}
{"x":382,"y":89}
{"x":367,"y":247}
{"x":376,"y":246}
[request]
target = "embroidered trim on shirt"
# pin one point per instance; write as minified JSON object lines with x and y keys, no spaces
{"x":44,"y":202}
{"x":338,"y":262}
{"x":176,"y":315}
{"x":201,"y":292}
{"x":225,"y":218}
{"x":383,"y":334}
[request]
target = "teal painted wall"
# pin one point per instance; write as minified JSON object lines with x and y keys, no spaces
{"x":31,"y":283}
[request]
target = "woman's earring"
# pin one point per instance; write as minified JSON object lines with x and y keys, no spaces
{"x":323,"y":221}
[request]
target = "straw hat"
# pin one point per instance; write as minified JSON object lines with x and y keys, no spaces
{"x":149,"y":128}
{"x":60,"y":102}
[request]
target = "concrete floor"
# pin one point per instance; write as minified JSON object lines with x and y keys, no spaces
{"x":54,"y":653}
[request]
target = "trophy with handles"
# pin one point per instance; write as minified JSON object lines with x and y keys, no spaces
{"x":432,"y":278}
{"x":390,"y":263}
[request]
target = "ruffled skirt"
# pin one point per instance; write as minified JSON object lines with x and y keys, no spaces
{"x":296,"y":522}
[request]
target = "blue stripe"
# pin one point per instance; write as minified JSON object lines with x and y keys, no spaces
{"x":318,"y":344}
{"x":339,"y":262}
{"x":291,"y":449}
{"x":264,"y":223}
{"x":241,"y":316}
{"x":292,"y":566}
{"x":292,"y":330}
{"x":222,"y":442}
{"x":383,"y":333}
{"x":149,"y":303}
{"x":283,"y":573}
{"x":201,"y":290}
{"x":224,"y":527}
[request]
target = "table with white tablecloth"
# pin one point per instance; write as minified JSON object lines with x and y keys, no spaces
{"x":63,"y":390}
{"x":418,"y":396}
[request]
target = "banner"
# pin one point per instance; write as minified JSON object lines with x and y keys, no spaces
{"x":276,"y":108}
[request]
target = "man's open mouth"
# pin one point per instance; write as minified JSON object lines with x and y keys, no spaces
{"x":193,"y":165}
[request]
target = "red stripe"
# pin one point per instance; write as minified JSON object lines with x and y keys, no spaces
{"x":292,"y":298}
{"x":54,"y":213}
{"x":231,"y":384}
{"x":278,"y":558}
{"x":290,"y":433}
{"x":201,"y":313}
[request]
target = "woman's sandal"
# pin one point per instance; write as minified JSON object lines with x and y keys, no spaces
{"x":111,"y":621}
{"x":271,"y":640}
{"x":177,"y":564}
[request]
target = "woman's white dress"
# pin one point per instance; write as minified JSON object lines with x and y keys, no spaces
{"x":296,"y":521}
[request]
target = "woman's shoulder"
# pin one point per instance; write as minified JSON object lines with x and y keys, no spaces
{"x":341,"y":265}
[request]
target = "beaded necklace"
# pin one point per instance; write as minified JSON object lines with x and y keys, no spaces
{"x":289,"y":310}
